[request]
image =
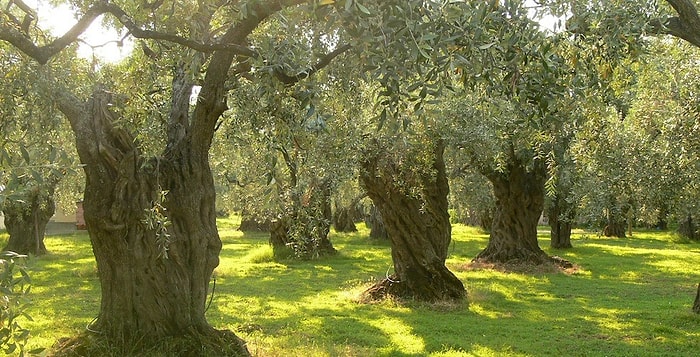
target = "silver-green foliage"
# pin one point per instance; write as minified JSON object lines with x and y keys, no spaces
{"x":14,"y":290}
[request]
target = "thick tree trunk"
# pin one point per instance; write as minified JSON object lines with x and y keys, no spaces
{"x":26,"y":219}
{"x":154,"y":273}
{"x":519,"y":204}
{"x":696,"y":304}
{"x":486,"y":219}
{"x":344,"y":219}
{"x":560,"y":214}
{"x":419,"y":230}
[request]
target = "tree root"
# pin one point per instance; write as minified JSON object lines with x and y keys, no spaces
{"x":194,"y":343}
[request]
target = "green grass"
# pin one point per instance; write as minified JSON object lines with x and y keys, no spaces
{"x":631,"y":297}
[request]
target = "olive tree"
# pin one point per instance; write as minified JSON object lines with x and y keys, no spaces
{"x":150,"y":204}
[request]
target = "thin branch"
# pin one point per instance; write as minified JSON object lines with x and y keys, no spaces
{"x":322,"y":62}
{"x":42,"y":54}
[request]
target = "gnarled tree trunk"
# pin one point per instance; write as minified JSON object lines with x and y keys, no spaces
{"x":344,"y":218}
{"x":26,"y":219}
{"x":154,"y":278}
{"x":419,"y":230}
{"x":615,"y":227}
{"x":519,"y":203}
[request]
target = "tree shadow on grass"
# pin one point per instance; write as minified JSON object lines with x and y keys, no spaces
{"x":622,"y":303}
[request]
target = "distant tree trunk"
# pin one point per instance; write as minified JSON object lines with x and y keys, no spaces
{"x":696,"y":304}
{"x":687,"y":228}
{"x":616,"y":223}
{"x":26,"y":219}
{"x":560,"y":214}
{"x":344,"y":218}
{"x":305,"y":228}
{"x":662,"y":217}
{"x":376,"y":224}
{"x":486,"y":219}
{"x":251,"y":223}
{"x":519,"y":203}
{"x":419,"y":230}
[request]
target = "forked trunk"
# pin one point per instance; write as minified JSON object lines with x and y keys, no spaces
{"x":26,"y":220}
{"x":419,"y":230}
{"x":152,"y":224}
{"x":519,"y":203}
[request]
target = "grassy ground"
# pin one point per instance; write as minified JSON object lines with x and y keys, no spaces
{"x":631,"y":297}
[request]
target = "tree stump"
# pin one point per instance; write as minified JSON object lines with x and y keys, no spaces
{"x":696,"y":304}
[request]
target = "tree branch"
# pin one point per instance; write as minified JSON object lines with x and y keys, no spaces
{"x":685,"y":26}
{"x":42,"y":54}
{"x":322,"y":62}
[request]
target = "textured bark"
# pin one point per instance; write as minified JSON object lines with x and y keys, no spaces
{"x":419,"y":230}
{"x":150,"y":288}
{"x":696,"y":304}
{"x":560,"y":214}
{"x":519,"y":203}
{"x":344,"y":218}
{"x":26,"y":219}
{"x":376,"y":224}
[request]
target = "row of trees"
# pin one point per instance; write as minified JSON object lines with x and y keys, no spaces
{"x":541,"y":116}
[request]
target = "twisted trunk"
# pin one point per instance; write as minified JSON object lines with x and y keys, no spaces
{"x":419,"y":230}
{"x":154,"y":273}
{"x":519,"y":203}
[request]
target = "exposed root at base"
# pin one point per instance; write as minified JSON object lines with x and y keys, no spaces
{"x":212,"y":343}
{"x":391,"y":289}
{"x":552,"y":265}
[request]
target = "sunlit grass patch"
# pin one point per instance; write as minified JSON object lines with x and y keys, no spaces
{"x":631,"y":296}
